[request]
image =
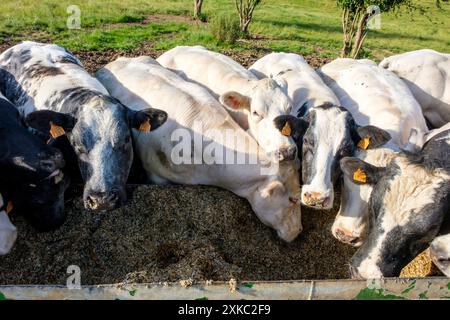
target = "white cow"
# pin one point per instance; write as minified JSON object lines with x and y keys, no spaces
{"x":204,"y":127}
{"x":253,"y":103}
{"x":427,"y":74}
{"x":377,"y":97}
{"x":8,"y":232}
{"x":304,"y":86}
{"x":440,"y":253}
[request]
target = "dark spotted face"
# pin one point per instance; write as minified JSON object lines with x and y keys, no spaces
{"x":332,"y":134}
{"x":101,"y":139}
{"x":409,"y":200}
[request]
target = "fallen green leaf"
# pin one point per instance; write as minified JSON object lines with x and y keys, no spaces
{"x":202,"y":298}
{"x":2,"y":296}
{"x":248,"y":285}
{"x":133,"y":292}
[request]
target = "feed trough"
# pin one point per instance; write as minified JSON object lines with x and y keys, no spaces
{"x":173,"y":242}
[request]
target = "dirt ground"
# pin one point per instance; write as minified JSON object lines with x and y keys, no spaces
{"x":172,"y":233}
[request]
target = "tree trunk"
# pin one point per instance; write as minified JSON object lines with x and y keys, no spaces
{"x":360,"y":35}
{"x":198,"y":8}
{"x":245,"y":9}
{"x":349,"y":24}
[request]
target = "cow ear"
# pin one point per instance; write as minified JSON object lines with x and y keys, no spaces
{"x":235,"y":101}
{"x":147,"y":120}
{"x":274,"y":187}
{"x":372,"y":137}
{"x":53,"y":123}
{"x":291,"y":126}
{"x":360,"y":172}
{"x":280,"y":81}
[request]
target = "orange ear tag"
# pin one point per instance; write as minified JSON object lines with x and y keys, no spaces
{"x":360,"y":176}
{"x":9,"y":207}
{"x":364,"y":143}
{"x":286,"y":131}
{"x":56,"y":131}
{"x":145,"y":126}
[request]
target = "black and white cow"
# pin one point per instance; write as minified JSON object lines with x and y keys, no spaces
{"x":408,"y":203}
{"x":373,"y":99}
{"x":50,"y":86}
{"x":30,"y":171}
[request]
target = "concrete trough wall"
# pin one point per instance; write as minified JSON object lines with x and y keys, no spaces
{"x":436,"y":288}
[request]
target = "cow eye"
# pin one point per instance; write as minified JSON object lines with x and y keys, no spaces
{"x":256,"y":114}
{"x":80,"y":149}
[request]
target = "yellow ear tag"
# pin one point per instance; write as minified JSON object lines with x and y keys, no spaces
{"x":286,"y":131}
{"x":364,"y":143}
{"x":56,"y":131}
{"x":9,"y":207}
{"x":360,"y":176}
{"x":145,"y":126}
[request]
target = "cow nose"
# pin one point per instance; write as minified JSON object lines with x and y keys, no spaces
{"x":286,"y":153}
{"x":316,"y":199}
{"x":96,"y":201}
{"x":346,"y":237}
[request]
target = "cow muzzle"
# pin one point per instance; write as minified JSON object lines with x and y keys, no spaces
{"x":286,"y":153}
{"x":97,"y":201}
{"x":317,"y":200}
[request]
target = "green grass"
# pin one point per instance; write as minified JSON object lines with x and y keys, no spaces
{"x":303,"y":26}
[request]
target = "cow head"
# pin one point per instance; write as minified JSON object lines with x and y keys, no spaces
{"x":409,"y":199}
{"x":265,"y":101}
{"x":440,"y":253}
{"x":101,"y":138}
{"x":351,"y":222}
{"x":332,"y":134}
{"x":276,"y":203}
{"x":31,"y":170}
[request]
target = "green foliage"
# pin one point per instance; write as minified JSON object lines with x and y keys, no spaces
{"x":225,"y":28}
{"x":384,"y":5}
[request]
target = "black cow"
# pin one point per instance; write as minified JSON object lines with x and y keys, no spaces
{"x":31,"y":174}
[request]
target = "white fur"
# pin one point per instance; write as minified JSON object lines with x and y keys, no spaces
{"x":220,"y":74}
{"x":142,"y":82}
{"x":427,"y":74}
{"x":8,"y":232}
{"x":303,"y":83}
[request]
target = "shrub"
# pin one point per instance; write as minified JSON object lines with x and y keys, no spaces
{"x":225,"y":28}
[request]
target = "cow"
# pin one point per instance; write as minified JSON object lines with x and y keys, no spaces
{"x":440,"y":253}
{"x":410,"y":198}
{"x":8,"y":232}
{"x":304,"y":86}
{"x":55,"y":93}
{"x":143,"y":82}
{"x":253,"y":103}
{"x":31,"y":176}
{"x":382,"y":104}
{"x":427,"y":74}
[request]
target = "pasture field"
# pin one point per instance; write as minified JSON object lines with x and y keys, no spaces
{"x":311,"y":28}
